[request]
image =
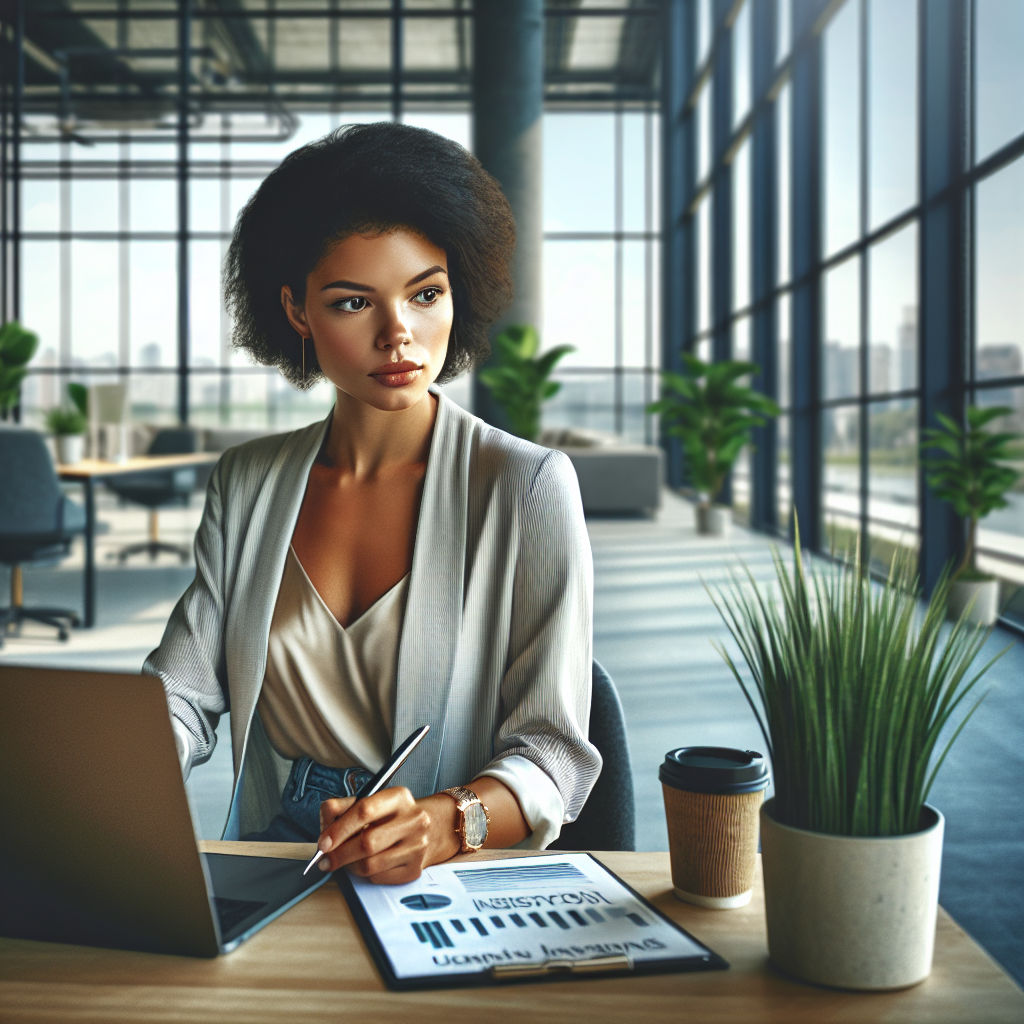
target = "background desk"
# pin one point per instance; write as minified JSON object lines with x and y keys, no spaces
{"x":311,"y":965}
{"x":90,"y":471}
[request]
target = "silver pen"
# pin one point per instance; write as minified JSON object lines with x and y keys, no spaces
{"x":383,"y":777}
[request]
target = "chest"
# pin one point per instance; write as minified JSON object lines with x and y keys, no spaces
{"x":355,"y":538}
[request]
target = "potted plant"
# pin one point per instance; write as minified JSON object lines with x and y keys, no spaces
{"x":854,"y":687}
{"x":17,"y":347}
{"x":714,"y":415}
{"x":964,"y":468}
{"x":520,"y":382}
{"x":68,"y":427}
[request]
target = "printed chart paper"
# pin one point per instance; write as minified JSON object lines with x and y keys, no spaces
{"x":464,"y":918}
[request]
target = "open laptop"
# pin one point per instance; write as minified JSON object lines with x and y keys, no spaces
{"x":97,"y":844}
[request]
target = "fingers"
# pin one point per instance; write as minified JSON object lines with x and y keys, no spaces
{"x":375,"y":849}
{"x":331,"y":810}
{"x":359,"y":815}
{"x":386,"y":835}
{"x":405,"y":857}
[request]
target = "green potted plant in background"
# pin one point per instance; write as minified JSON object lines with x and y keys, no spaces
{"x":520,"y":382}
{"x":17,"y":347}
{"x":853,"y":687}
{"x":713,"y":414}
{"x":68,"y":425}
{"x":966,"y":468}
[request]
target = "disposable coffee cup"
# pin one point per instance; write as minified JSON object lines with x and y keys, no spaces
{"x":713,"y":798}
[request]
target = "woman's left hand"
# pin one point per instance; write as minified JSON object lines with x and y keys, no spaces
{"x":389,"y":837}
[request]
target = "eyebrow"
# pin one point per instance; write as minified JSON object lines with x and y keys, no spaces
{"x":353,"y":286}
{"x":425,"y":275}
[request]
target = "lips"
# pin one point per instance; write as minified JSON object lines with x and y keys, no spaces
{"x":396,"y":375}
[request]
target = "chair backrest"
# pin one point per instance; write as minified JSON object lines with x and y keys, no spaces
{"x":608,"y":819}
{"x":174,"y":441}
{"x":30,"y":497}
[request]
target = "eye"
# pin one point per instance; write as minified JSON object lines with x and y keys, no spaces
{"x":353,"y":304}
{"x":428,"y":296}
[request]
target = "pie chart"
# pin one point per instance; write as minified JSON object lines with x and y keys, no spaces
{"x":425,"y":901}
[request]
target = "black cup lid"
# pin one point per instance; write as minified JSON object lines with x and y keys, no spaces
{"x":714,"y":770}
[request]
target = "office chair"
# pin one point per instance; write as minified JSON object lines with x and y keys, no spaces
{"x":156,"y":488}
{"x":608,"y":818}
{"x":37,"y":524}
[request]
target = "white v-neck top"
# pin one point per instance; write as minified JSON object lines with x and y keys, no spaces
{"x":329,"y":691}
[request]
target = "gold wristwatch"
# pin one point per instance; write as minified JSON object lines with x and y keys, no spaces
{"x":474,"y":818}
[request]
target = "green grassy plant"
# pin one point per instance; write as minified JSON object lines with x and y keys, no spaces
{"x":855,"y":685}
{"x":520,"y":383}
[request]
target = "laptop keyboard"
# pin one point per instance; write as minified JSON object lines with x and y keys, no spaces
{"x":232,"y":913}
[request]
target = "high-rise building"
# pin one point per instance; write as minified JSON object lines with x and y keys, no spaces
{"x":906,"y":335}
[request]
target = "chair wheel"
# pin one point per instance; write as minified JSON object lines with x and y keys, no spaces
{"x":62,"y":635}
{"x":75,"y":621}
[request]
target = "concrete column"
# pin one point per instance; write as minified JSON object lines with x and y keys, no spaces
{"x":508,"y":102}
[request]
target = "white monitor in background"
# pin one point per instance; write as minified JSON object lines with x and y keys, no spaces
{"x":108,"y":421}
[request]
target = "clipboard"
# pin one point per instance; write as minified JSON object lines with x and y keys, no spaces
{"x":517,"y":920}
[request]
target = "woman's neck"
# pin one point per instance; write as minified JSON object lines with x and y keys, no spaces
{"x":363,"y":440}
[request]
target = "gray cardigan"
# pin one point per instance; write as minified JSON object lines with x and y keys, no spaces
{"x":496,"y":649}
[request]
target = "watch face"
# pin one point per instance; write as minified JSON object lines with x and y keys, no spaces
{"x":476,"y":825}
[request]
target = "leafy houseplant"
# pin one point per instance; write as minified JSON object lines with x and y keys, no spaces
{"x":62,"y":422}
{"x":520,"y":383}
{"x":79,"y":395}
{"x":17,"y":347}
{"x":853,"y":690}
{"x":68,"y":426}
{"x":964,"y":468}
{"x":713,"y":415}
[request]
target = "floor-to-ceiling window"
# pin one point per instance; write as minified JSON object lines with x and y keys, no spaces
{"x":996,"y":362}
{"x":793,"y":233}
{"x":134,"y":160}
{"x":600,"y":268}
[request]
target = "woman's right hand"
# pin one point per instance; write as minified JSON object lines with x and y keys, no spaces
{"x":389,"y":837}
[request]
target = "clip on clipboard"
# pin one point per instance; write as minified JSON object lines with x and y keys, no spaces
{"x":591,"y":965}
{"x":517,"y":919}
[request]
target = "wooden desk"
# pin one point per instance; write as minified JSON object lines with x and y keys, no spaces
{"x":311,"y":965}
{"x":88,"y":473}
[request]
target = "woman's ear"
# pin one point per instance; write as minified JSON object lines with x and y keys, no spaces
{"x":296,"y":314}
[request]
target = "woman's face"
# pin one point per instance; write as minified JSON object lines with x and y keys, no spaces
{"x":379,"y":311}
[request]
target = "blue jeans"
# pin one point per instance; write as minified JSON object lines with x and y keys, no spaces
{"x":309,"y":785}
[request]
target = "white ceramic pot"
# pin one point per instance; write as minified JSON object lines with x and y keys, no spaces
{"x":852,"y":912}
{"x":713,"y":520}
{"x":70,"y":448}
{"x":984,"y":594}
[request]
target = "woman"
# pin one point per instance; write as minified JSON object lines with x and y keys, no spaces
{"x":401,"y":563}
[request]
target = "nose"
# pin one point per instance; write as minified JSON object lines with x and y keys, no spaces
{"x":395,"y":331}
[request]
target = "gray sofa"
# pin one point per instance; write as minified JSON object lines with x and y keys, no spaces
{"x":615,"y":478}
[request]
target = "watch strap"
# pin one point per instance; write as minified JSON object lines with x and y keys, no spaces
{"x":463,"y":797}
